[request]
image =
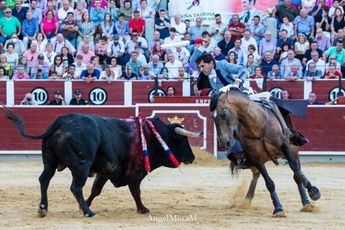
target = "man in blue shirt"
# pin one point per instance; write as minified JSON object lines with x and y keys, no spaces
{"x":257,"y":29}
{"x":29,"y":29}
{"x":97,"y":13}
{"x":90,"y":74}
{"x":304,"y":24}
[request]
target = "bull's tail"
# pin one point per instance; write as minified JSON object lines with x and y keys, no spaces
{"x":18,"y":121}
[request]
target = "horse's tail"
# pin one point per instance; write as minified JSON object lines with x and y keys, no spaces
{"x":18,"y":121}
{"x":233,"y":169}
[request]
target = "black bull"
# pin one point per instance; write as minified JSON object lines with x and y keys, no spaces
{"x":109,"y":147}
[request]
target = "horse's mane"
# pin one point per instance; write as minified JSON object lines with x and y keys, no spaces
{"x":232,"y":90}
{"x":214,"y":101}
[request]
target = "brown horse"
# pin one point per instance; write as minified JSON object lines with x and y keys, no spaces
{"x":258,"y":130}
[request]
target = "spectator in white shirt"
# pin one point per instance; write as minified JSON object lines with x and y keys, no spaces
{"x":246,"y":41}
{"x":173,"y":38}
{"x":172,"y":65}
{"x":64,"y":10}
{"x":178,"y":24}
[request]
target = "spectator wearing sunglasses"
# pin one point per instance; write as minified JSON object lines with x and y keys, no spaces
{"x":8,"y":25}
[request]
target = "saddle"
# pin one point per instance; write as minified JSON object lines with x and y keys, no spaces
{"x":293,"y":136}
{"x":270,"y":105}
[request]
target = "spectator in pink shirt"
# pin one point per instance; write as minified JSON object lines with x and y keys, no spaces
{"x":20,"y":74}
{"x":101,"y":49}
{"x":86,"y":53}
{"x":104,"y":3}
{"x":32,"y":54}
{"x":49,"y":25}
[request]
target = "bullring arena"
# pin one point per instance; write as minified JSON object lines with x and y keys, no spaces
{"x":138,"y":59}
{"x":204,"y":196}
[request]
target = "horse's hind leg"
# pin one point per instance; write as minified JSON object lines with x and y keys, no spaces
{"x":278,"y":209}
{"x":299,"y":177}
{"x":252,"y":186}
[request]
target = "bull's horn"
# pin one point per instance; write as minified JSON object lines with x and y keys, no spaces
{"x":187,"y":133}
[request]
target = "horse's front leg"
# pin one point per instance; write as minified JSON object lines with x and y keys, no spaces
{"x":252,"y":186}
{"x":294,"y":163}
{"x":278,"y":209}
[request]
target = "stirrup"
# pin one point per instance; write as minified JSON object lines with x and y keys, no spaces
{"x":236,"y":158}
{"x":298,"y":139}
{"x":243,"y":164}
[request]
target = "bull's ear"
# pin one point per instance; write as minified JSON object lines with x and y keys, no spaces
{"x":187,"y":133}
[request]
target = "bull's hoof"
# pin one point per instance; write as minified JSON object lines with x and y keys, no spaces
{"x":42,"y":212}
{"x":279,"y":214}
{"x":310,"y":208}
{"x":143,"y":210}
{"x":314,"y":193}
{"x":89,"y":214}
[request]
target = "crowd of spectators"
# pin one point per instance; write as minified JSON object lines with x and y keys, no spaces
{"x":122,"y":39}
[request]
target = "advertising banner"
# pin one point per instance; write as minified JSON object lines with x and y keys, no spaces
{"x":206,"y":9}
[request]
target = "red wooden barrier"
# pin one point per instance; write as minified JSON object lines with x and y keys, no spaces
{"x":194,"y":118}
{"x":181,"y":99}
{"x":38,"y":119}
{"x":101,"y":92}
{"x":323,"y":89}
{"x":43,"y":91}
{"x":3,"y":92}
{"x":295,"y":88}
{"x":141,"y":90}
{"x":324,"y":127}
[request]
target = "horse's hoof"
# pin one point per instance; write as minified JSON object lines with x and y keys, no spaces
{"x":314,"y":193}
{"x":89,"y":214}
{"x":310,"y":208}
{"x":279,"y":214}
{"x":245,"y":204}
{"x":143,"y":210}
{"x":42,"y":212}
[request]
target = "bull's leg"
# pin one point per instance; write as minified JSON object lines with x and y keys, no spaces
{"x":134,"y":187}
{"x":278,"y":209}
{"x":97,"y":187}
{"x":294,"y":163}
{"x":79,"y":179}
{"x":44,"y":179}
{"x":252,"y":186}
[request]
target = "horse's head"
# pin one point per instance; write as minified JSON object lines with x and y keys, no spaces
{"x":225,"y":118}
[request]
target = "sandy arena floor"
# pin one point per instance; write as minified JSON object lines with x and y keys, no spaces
{"x":205,"y":196}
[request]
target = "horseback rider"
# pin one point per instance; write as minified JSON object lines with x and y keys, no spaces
{"x":222,"y":76}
